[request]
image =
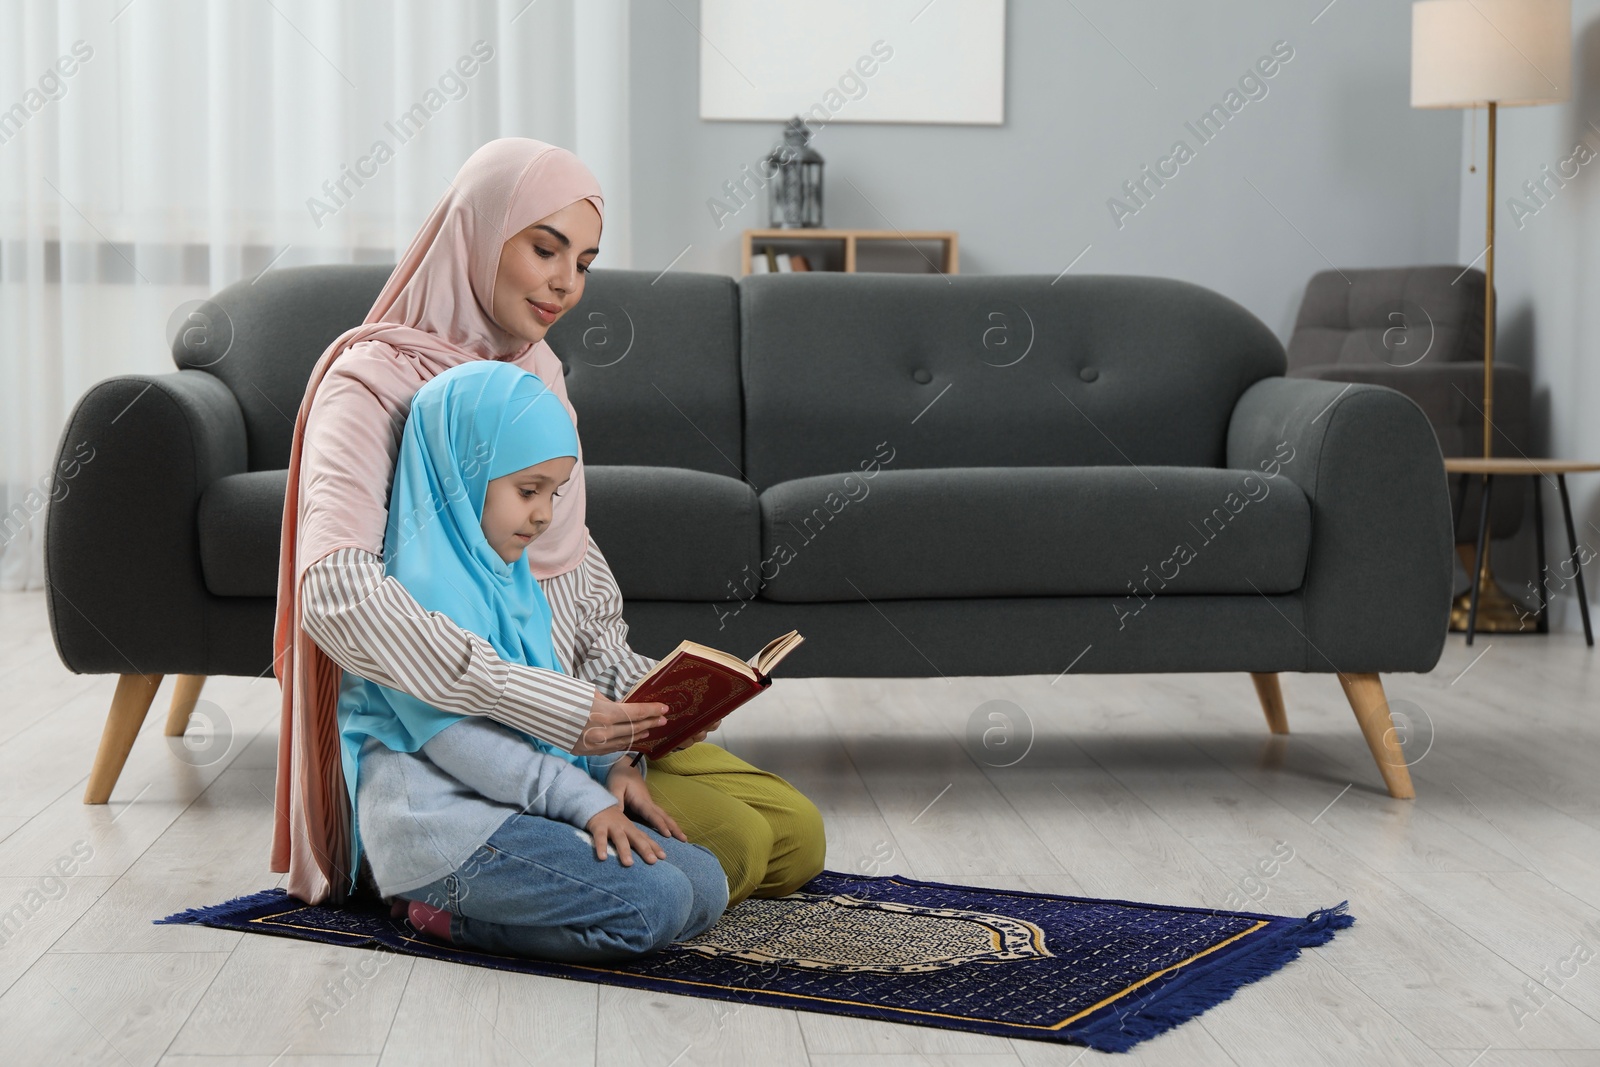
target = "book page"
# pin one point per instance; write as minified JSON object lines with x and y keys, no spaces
{"x":774,"y":651}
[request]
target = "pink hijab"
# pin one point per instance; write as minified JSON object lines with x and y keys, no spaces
{"x":432,"y":314}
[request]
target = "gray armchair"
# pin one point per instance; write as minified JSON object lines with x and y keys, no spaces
{"x":1419,"y":331}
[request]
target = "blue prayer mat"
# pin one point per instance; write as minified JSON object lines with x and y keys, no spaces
{"x":1102,"y":973}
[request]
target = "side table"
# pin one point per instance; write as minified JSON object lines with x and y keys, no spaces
{"x":1466,"y":466}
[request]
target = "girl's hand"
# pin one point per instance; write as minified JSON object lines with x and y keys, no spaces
{"x":627,"y":785}
{"x":612,"y":828}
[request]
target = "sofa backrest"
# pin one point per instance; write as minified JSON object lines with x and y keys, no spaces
{"x":262,"y":338}
{"x":1393,"y":315}
{"x":653,"y":369}
{"x":651,"y":362}
{"x":990,"y":371}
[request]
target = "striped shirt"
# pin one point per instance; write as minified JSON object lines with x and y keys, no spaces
{"x":370,"y":625}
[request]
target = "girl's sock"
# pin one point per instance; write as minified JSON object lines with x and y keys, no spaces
{"x":435,"y":922}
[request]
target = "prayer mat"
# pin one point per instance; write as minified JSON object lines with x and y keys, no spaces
{"x":1102,"y":973}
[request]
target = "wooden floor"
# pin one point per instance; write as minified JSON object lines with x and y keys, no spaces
{"x":1477,"y":939}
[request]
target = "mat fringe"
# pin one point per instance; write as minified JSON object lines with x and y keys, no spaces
{"x":1207,"y":986}
{"x":228,"y":909}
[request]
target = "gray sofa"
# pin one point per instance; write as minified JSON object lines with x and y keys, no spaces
{"x":972,"y":475}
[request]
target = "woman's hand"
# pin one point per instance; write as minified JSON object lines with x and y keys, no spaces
{"x":617,"y":727}
{"x":613,"y":828}
{"x":627,"y":785}
{"x":697,"y":738}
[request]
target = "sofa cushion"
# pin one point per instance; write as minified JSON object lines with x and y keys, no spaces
{"x":706,"y":525}
{"x":1033,"y":531}
{"x":651,"y":360}
{"x":241,"y":525}
{"x":674,"y":534}
{"x":263,"y":334}
{"x":990,"y":371}
{"x":652,"y":368}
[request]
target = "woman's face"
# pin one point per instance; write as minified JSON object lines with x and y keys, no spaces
{"x":516,"y":506}
{"x":542,"y":270}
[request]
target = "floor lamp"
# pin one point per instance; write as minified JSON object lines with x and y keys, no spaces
{"x":1499,"y":53}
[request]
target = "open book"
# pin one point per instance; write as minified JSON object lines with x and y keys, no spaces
{"x":702,"y":685}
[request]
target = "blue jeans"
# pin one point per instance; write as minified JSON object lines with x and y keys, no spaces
{"x":535,"y":889}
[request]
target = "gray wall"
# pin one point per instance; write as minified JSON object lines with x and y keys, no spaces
{"x":1342,"y":167}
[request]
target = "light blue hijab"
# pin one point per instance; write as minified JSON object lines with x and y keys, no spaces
{"x":475,"y":422}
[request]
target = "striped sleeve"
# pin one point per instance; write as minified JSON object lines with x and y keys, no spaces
{"x":602,"y":653}
{"x":587,"y":606}
{"x":371,"y":626}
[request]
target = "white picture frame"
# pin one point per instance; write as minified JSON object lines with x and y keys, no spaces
{"x":903,"y":61}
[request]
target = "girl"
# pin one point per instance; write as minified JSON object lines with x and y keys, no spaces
{"x":470,"y":821}
{"x":503,"y":256}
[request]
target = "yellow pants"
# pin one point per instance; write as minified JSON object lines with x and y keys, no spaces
{"x":765,"y":833}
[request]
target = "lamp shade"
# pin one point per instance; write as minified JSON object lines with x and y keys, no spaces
{"x":1509,"y":52}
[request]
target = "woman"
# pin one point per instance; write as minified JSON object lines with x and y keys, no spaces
{"x":500,"y":259}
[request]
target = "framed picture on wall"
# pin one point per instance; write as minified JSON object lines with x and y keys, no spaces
{"x":853,"y":61}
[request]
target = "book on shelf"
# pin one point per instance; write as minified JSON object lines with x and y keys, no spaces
{"x":701,"y":686}
{"x":768,"y":260}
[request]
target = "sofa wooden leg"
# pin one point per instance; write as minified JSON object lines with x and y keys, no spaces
{"x":1270,"y":694}
{"x":1365,"y":693}
{"x":128,"y":707}
{"x":184,"y":694}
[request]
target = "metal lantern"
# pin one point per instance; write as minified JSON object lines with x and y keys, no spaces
{"x":795,"y":191}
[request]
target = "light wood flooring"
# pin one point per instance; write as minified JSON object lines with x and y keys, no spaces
{"x":1162,"y":788}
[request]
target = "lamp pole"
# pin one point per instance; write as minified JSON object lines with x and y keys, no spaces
{"x":1488,"y":305}
{"x":1465,"y":54}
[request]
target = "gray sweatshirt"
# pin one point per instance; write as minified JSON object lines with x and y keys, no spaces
{"x":421,"y":815}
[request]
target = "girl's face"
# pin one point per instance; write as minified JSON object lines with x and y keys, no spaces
{"x":516,"y":506}
{"x":542,"y":270}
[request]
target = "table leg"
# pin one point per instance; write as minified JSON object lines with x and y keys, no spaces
{"x":1538,"y":535}
{"x":1477,"y":561}
{"x":1577,"y":565}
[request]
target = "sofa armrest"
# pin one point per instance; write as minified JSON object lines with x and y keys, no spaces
{"x":122,"y":556}
{"x":1451,"y":396}
{"x":1376,"y":592}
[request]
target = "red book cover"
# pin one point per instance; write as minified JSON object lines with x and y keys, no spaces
{"x":701,"y":686}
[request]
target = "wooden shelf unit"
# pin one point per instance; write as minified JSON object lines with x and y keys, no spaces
{"x":849,"y":239}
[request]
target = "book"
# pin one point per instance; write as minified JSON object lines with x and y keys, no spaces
{"x":701,"y":686}
{"x":772,"y":260}
{"x":799,"y":262}
{"x":783,"y":262}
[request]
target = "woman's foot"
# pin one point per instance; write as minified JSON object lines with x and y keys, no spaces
{"x":435,"y":922}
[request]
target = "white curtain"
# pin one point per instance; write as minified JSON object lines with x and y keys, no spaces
{"x":154,"y":151}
